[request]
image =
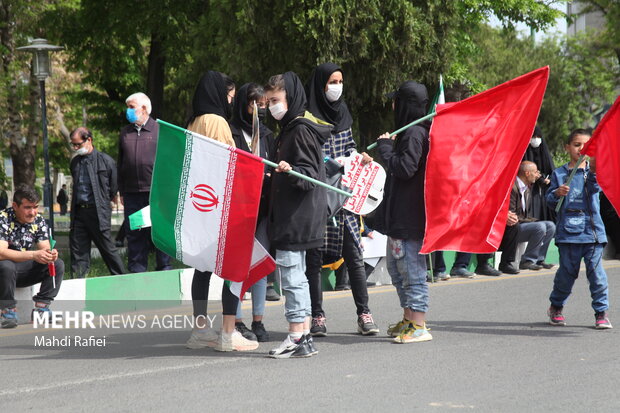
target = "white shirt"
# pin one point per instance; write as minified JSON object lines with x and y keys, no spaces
{"x":522,"y":187}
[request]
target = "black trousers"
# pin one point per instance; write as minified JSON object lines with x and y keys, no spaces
{"x":357,"y":276}
{"x":200,"y":295}
{"x":139,"y":243}
{"x":24,"y":274}
{"x":509,"y":244}
{"x":85,"y":229}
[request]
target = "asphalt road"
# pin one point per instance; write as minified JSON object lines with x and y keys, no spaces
{"x":492,"y":351}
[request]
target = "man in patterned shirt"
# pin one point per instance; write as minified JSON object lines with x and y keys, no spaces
{"x":21,"y":228}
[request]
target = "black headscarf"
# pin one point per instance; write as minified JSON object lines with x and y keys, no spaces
{"x":540,"y":156}
{"x":295,"y":98}
{"x":241,"y":119}
{"x":211,"y":96}
{"x":337,"y":113}
{"x":240,"y":116}
{"x":410,"y":102}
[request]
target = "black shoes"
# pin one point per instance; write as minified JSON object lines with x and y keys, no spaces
{"x":259,"y":331}
{"x":508,"y":269}
{"x":486,"y":269}
{"x":545,"y":265}
{"x":245,"y":332}
{"x":272,"y":294}
{"x":528,"y":265}
{"x":318,"y":328}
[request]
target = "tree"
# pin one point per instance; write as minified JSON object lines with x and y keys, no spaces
{"x":610,"y":35}
{"x":581,"y":81}
{"x":379,"y":43}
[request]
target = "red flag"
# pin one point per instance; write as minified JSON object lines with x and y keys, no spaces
{"x":605,"y":147}
{"x":476,"y":146}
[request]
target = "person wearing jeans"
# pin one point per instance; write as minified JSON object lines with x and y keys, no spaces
{"x":21,"y":229}
{"x":403,"y":210}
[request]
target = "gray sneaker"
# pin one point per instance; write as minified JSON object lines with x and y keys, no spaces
{"x":461,"y":273}
{"x":202,"y":338}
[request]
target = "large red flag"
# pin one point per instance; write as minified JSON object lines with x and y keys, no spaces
{"x":476,"y":146}
{"x":605,"y":147}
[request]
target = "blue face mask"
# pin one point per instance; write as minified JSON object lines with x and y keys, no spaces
{"x":131,"y":115}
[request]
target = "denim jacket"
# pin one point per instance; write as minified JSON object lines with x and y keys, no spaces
{"x":579,"y":220}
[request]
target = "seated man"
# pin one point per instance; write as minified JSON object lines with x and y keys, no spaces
{"x":21,"y":227}
{"x":538,"y":234}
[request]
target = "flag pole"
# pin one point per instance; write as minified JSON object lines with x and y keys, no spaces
{"x":275,"y":165}
{"x":396,"y":132}
{"x":307,"y":178}
{"x":570,"y":178}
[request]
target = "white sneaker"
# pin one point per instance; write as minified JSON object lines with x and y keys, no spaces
{"x":202,"y":338}
{"x":235,"y":342}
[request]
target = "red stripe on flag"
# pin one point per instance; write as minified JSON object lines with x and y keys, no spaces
{"x":261,"y":269}
{"x":604,"y":146}
{"x":239,"y":220}
{"x":476,"y":146}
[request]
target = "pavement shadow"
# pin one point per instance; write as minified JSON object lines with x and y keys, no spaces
{"x":539,"y":329}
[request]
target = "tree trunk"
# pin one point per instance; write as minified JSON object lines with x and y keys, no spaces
{"x":156,"y":75}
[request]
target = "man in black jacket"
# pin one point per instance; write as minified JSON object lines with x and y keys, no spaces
{"x":94,"y":188}
{"x":136,"y":157}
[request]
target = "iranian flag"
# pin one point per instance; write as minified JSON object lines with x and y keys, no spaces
{"x":204,"y":205}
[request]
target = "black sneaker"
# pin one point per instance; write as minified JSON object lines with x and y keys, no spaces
{"x":486,"y":269}
{"x":529,"y":265}
{"x":259,"y":331}
{"x":318,"y":329}
{"x":291,"y":349}
{"x":366,"y":326}
{"x":245,"y":332}
{"x":508,"y":269}
{"x":272,"y":294}
{"x":311,"y":347}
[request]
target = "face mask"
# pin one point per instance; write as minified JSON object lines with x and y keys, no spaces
{"x":278,"y":111}
{"x":333,"y":92}
{"x":82,"y":151}
{"x":131,"y":115}
{"x":262,"y":114}
{"x":535,"y":142}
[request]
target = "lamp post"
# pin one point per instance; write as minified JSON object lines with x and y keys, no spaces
{"x":41,"y":70}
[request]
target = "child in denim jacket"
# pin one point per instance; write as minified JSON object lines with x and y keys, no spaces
{"x":580,"y":233}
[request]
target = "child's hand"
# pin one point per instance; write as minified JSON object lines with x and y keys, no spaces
{"x":366,"y":159}
{"x":562,"y":190}
{"x":283,"y":166}
{"x":593,"y":165}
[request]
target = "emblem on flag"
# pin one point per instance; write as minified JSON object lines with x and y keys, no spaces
{"x":204,"y":198}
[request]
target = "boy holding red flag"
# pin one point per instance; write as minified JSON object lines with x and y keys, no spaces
{"x":580,"y":233}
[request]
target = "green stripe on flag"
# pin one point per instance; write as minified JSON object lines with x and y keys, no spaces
{"x":167,"y":176}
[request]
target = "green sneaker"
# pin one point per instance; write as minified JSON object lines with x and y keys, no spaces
{"x":395,"y":329}
{"x":413,"y":333}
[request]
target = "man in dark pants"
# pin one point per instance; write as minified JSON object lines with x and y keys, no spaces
{"x":94,"y":188}
{"x":21,"y":227}
{"x":63,"y":199}
{"x":136,"y":156}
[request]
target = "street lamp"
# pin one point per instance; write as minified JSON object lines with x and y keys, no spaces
{"x":41,"y":70}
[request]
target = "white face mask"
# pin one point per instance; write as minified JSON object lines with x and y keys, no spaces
{"x":82,"y":152}
{"x":333,"y":92}
{"x":535,"y":142}
{"x":277,"y":110}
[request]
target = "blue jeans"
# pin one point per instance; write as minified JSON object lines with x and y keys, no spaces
{"x":538,"y":236}
{"x":570,"y":258}
{"x":408,"y":271}
{"x":291,"y":268}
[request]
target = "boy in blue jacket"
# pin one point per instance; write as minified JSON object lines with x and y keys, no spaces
{"x":580,"y":233}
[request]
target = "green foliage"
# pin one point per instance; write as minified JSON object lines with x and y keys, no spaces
{"x":582,"y":77}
